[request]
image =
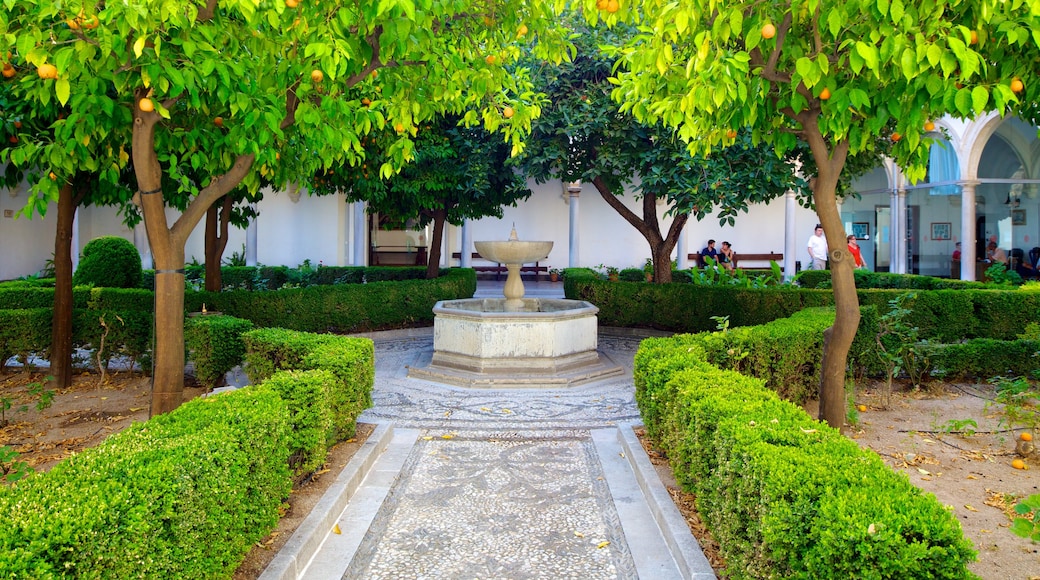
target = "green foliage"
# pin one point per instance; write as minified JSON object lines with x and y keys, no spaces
{"x":1028,"y":526}
{"x":307,"y":395}
{"x":887,"y":280}
{"x":109,"y":261}
{"x":184,"y":495}
{"x":786,"y":496}
{"x":350,"y":360}
{"x":24,"y":333}
{"x":899,"y":345}
{"x":11,"y":469}
{"x":215,"y":346}
{"x":343,"y":308}
{"x":1000,"y":275}
{"x":632,"y":275}
{"x":981,"y":358}
{"x":1021,"y":401}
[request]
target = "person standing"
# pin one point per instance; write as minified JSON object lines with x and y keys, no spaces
{"x":817,"y":249}
{"x":709,"y":251}
{"x":857,"y":256}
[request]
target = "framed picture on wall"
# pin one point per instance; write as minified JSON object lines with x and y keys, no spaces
{"x":1018,"y":217}
{"x":941,"y":230}
{"x":861,"y":230}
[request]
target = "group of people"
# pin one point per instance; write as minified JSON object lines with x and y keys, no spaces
{"x":818,"y":250}
{"x":724,"y":257}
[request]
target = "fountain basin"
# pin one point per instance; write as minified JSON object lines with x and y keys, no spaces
{"x":540,"y":343}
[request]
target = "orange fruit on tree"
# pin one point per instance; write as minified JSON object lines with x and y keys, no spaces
{"x":1018,"y":464}
{"x":366,"y":101}
{"x":73,"y":23}
{"x":613,"y":6}
{"x":768,"y":30}
{"x":292,"y":3}
{"x":602,"y":4}
{"x":146,"y":105}
{"x":929,"y":126}
{"x":1017,"y":85}
{"x":1026,"y":436}
{"x":218,"y":121}
{"x":491,"y":59}
{"x":974,"y":37}
{"x":732,"y":133}
{"x":522,"y":31}
{"x":91,"y":23}
{"x":317,"y":76}
{"x":507,"y":112}
{"x":52,"y":176}
{"x":13,"y":139}
{"x":47,"y":71}
{"x":17,"y":124}
{"x":374,"y":73}
{"x":896,"y":136}
{"x":825,"y":94}
{"x":399,"y":127}
{"x":9,"y":72}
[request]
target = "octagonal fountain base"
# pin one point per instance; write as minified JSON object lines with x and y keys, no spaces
{"x":541,"y":343}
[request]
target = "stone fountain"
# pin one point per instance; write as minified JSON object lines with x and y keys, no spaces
{"x":514,"y":341}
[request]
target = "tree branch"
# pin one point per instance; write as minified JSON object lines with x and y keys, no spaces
{"x":373,"y":41}
{"x":206,"y":13}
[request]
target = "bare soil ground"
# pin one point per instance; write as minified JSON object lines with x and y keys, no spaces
{"x":92,"y":409}
{"x":972,"y":474}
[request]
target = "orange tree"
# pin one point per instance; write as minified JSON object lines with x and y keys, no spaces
{"x":457,"y":173}
{"x":581,"y":136}
{"x":209,"y":95}
{"x":833,"y":75}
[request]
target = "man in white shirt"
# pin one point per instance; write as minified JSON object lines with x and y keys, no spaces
{"x":817,"y":250}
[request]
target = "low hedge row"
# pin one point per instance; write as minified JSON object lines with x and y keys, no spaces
{"x":942,"y":315}
{"x":215,"y":346}
{"x":784,"y":495}
{"x":342,"y":308}
{"x":276,"y":277}
{"x":888,"y":280}
{"x":350,"y":360}
{"x":184,"y":495}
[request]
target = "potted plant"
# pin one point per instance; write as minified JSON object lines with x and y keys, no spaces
{"x":554,"y":274}
{"x":612,"y":273}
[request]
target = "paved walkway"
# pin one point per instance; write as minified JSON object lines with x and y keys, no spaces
{"x":495,"y":484}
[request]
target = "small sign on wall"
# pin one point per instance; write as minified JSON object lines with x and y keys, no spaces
{"x":8,"y":213}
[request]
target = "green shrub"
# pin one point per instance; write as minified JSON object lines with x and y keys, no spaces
{"x":350,"y":360}
{"x":109,"y":261}
{"x":184,"y":495}
{"x":307,"y":394}
{"x":215,"y":346}
{"x":24,"y":332}
{"x":784,"y":495}
{"x":632,"y":275}
{"x":982,"y":358}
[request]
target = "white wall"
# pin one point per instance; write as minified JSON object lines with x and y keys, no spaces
{"x":25,"y":243}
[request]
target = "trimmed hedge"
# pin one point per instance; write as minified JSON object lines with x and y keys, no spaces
{"x":984,"y":358}
{"x":351,"y":360}
{"x":787,"y":496}
{"x":867,"y":279}
{"x":345,"y":308}
{"x":24,"y":333}
{"x":215,"y":346}
{"x":184,"y":495}
{"x":942,"y":315}
{"x":109,"y":261}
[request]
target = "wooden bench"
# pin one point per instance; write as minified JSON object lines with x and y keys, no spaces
{"x":498,"y":269}
{"x":739,"y":258}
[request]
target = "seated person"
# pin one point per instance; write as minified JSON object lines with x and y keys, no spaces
{"x":995,"y":254}
{"x":726,"y":257}
{"x":709,"y":251}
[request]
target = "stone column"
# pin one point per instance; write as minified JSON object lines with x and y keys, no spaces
{"x":790,"y":235}
{"x":893,"y":231}
{"x":251,"y":231}
{"x":360,"y":234}
{"x":904,"y":231}
{"x":140,"y":242}
{"x":466,"y":253}
{"x":573,"y":195}
{"x":682,"y":260}
{"x":968,"y":233}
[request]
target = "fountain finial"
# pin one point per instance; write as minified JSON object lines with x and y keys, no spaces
{"x":512,"y":235}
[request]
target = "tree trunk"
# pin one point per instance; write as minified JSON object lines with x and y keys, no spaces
{"x":217,"y":219}
{"x":167,"y":244}
{"x":433,"y":266}
{"x":61,"y":325}
{"x":660,"y":246}
{"x":837,"y":340}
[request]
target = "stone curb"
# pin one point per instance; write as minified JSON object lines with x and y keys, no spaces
{"x":684,"y":547}
{"x":297,"y":553}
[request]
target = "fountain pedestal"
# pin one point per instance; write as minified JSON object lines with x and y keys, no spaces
{"x":514,"y":341}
